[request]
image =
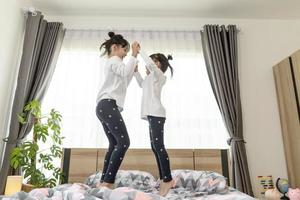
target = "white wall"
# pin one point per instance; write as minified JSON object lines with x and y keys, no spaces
{"x":262,"y":43}
{"x":12,"y":23}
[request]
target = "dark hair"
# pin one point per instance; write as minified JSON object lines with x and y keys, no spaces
{"x":114,"y":39}
{"x":164,"y":61}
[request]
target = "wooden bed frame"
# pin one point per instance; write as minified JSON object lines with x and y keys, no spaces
{"x":79,"y":163}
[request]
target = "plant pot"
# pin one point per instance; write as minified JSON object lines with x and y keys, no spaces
{"x":27,"y":187}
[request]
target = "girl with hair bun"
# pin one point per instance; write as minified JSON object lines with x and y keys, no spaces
{"x":110,"y":101}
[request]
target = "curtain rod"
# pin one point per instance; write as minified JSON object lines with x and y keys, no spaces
{"x":237,"y":29}
{"x":133,"y":30}
{"x":136,"y":30}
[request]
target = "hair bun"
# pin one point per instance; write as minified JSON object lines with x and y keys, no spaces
{"x":111,"y":34}
{"x":170,"y":57}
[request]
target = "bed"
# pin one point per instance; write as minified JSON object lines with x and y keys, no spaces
{"x":200,"y":174}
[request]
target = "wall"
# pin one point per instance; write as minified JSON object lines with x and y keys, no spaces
{"x":12,"y":23}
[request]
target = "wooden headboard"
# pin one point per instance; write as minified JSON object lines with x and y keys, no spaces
{"x":79,"y":163}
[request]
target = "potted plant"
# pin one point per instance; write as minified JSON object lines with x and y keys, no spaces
{"x":35,"y":162}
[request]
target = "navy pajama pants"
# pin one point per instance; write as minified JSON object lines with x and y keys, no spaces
{"x":114,"y":127}
{"x":156,"y":129}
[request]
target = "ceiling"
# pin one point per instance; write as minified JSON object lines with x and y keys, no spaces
{"x":246,"y":9}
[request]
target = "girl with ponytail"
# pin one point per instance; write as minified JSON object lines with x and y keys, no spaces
{"x":153,"y":111}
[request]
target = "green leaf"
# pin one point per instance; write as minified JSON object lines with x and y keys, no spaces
{"x":21,"y":118}
{"x":15,"y":158}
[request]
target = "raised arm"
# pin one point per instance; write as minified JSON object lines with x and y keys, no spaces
{"x":151,"y":66}
{"x":127,"y":70}
{"x":124,"y":70}
{"x":135,"y":50}
{"x":139,"y":79}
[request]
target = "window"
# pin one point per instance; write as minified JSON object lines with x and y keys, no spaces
{"x":193,"y":117}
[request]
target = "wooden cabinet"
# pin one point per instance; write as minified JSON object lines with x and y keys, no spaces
{"x":287,"y":79}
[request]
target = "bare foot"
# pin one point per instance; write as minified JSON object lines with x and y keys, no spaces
{"x":165,"y":187}
{"x":104,"y":184}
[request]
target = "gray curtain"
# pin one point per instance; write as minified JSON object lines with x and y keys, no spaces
{"x":220,"y":52}
{"x":42,"y":43}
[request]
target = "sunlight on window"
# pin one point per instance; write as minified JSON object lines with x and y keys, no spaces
{"x":193,"y":118}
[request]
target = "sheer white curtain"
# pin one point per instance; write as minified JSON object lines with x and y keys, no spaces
{"x":193,"y":118}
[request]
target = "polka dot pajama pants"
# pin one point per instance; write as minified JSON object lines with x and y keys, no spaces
{"x":114,"y":127}
{"x":156,"y":129}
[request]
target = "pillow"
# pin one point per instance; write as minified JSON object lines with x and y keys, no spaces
{"x":200,"y":181}
{"x":139,"y":180}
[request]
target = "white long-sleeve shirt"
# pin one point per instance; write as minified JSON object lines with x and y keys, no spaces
{"x":152,"y":87}
{"x":117,"y":78}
